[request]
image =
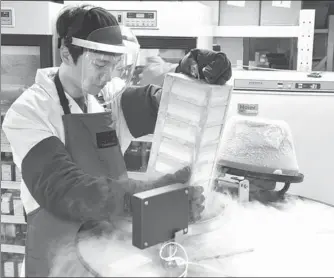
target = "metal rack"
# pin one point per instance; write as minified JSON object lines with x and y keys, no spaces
{"x":13,"y":224}
{"x":327,"y":61}
{"x":330,"y":44}
{"x":32,"y":38}
{"x":304,"y":32}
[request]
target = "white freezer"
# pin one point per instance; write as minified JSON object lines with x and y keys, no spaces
{"x":310,"y":114}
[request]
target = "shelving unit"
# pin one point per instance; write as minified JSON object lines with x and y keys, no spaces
{"x":13,"y":223}
{"x":330,"y":44}
{"x":303,"y":33}
{"x":256,"y":31}
{"x":13,"y":219}
{"x":326,"y":35}
{"x":15,"y":185}
{"x":321,"y":31}
{"x":25,"y":47}
{"x":5,"y":148}
{"x":9,"y":248}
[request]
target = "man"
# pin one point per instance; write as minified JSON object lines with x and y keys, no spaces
{"x":209,"y":65}
{"x":67,"y":147}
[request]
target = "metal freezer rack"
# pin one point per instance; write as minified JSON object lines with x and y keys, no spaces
{"x":189,"y":126}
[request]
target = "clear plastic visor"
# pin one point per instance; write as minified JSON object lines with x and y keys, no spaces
{"x":108,"y":62}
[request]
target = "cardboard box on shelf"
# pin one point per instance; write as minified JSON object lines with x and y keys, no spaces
{"x":3,"y":138}
{"x":7,"y":171}
{"x":6,"y":203}
{"x":9,"y":269}
{"x":18,"y":175}
{"x":18,"y":206}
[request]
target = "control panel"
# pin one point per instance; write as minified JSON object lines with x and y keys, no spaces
{"x":7,"y":17}
{"x":137,"y":19}
{"x":286,"y":85}
{"x":298,"y":85}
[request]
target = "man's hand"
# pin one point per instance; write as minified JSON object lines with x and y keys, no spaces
{"x":180,"y":176}
{"x":211,"y":66}
{"x":196,"y":197}
{"x":196,"y":203}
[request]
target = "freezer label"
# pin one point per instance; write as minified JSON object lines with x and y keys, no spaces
{"x":248,"y":109}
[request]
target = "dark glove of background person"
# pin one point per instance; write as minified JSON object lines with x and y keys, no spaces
{"x":196,"y":197}
{"x":211,"y":66}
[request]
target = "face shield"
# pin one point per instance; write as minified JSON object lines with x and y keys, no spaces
{"x":108,"y":62}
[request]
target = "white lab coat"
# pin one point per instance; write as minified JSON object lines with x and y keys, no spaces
{"x":37,"y":114}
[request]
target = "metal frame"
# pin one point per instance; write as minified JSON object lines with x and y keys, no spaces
{"x":305,"y":40}
{"x":304,"y":32}
{"x":330,"y":44}
{"x":242,"y":182}
{"x":186,"y":43}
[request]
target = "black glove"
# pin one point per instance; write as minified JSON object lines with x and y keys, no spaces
{"x":136,"y":186}
{"x":196,"y":203}
{"x":196,"y":197}
{"x":209,"y":65}
{"x":180,"y":176}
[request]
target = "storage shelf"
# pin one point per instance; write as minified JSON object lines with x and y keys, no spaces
{"x":5,"y":148}
{"x":175,"y":31}
{"x":256,"y":31}
{"x":225,"y":31}
{"x":9,"y":248}
{"x":11,"y":185}
{"x":12,"y":219}
{"x":321,"y":31}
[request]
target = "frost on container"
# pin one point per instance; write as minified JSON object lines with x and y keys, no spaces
{"x":260,"y":145}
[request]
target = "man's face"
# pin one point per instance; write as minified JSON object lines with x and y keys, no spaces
{"x":96,"y":70}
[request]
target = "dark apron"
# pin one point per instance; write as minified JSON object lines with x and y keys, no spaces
{"x":93,"y":145}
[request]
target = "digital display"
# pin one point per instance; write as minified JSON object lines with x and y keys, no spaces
{"x":139,"y":15}
{"x":7,"y":17}
{"x":5,"y":14}
{"x":310,"y":86}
